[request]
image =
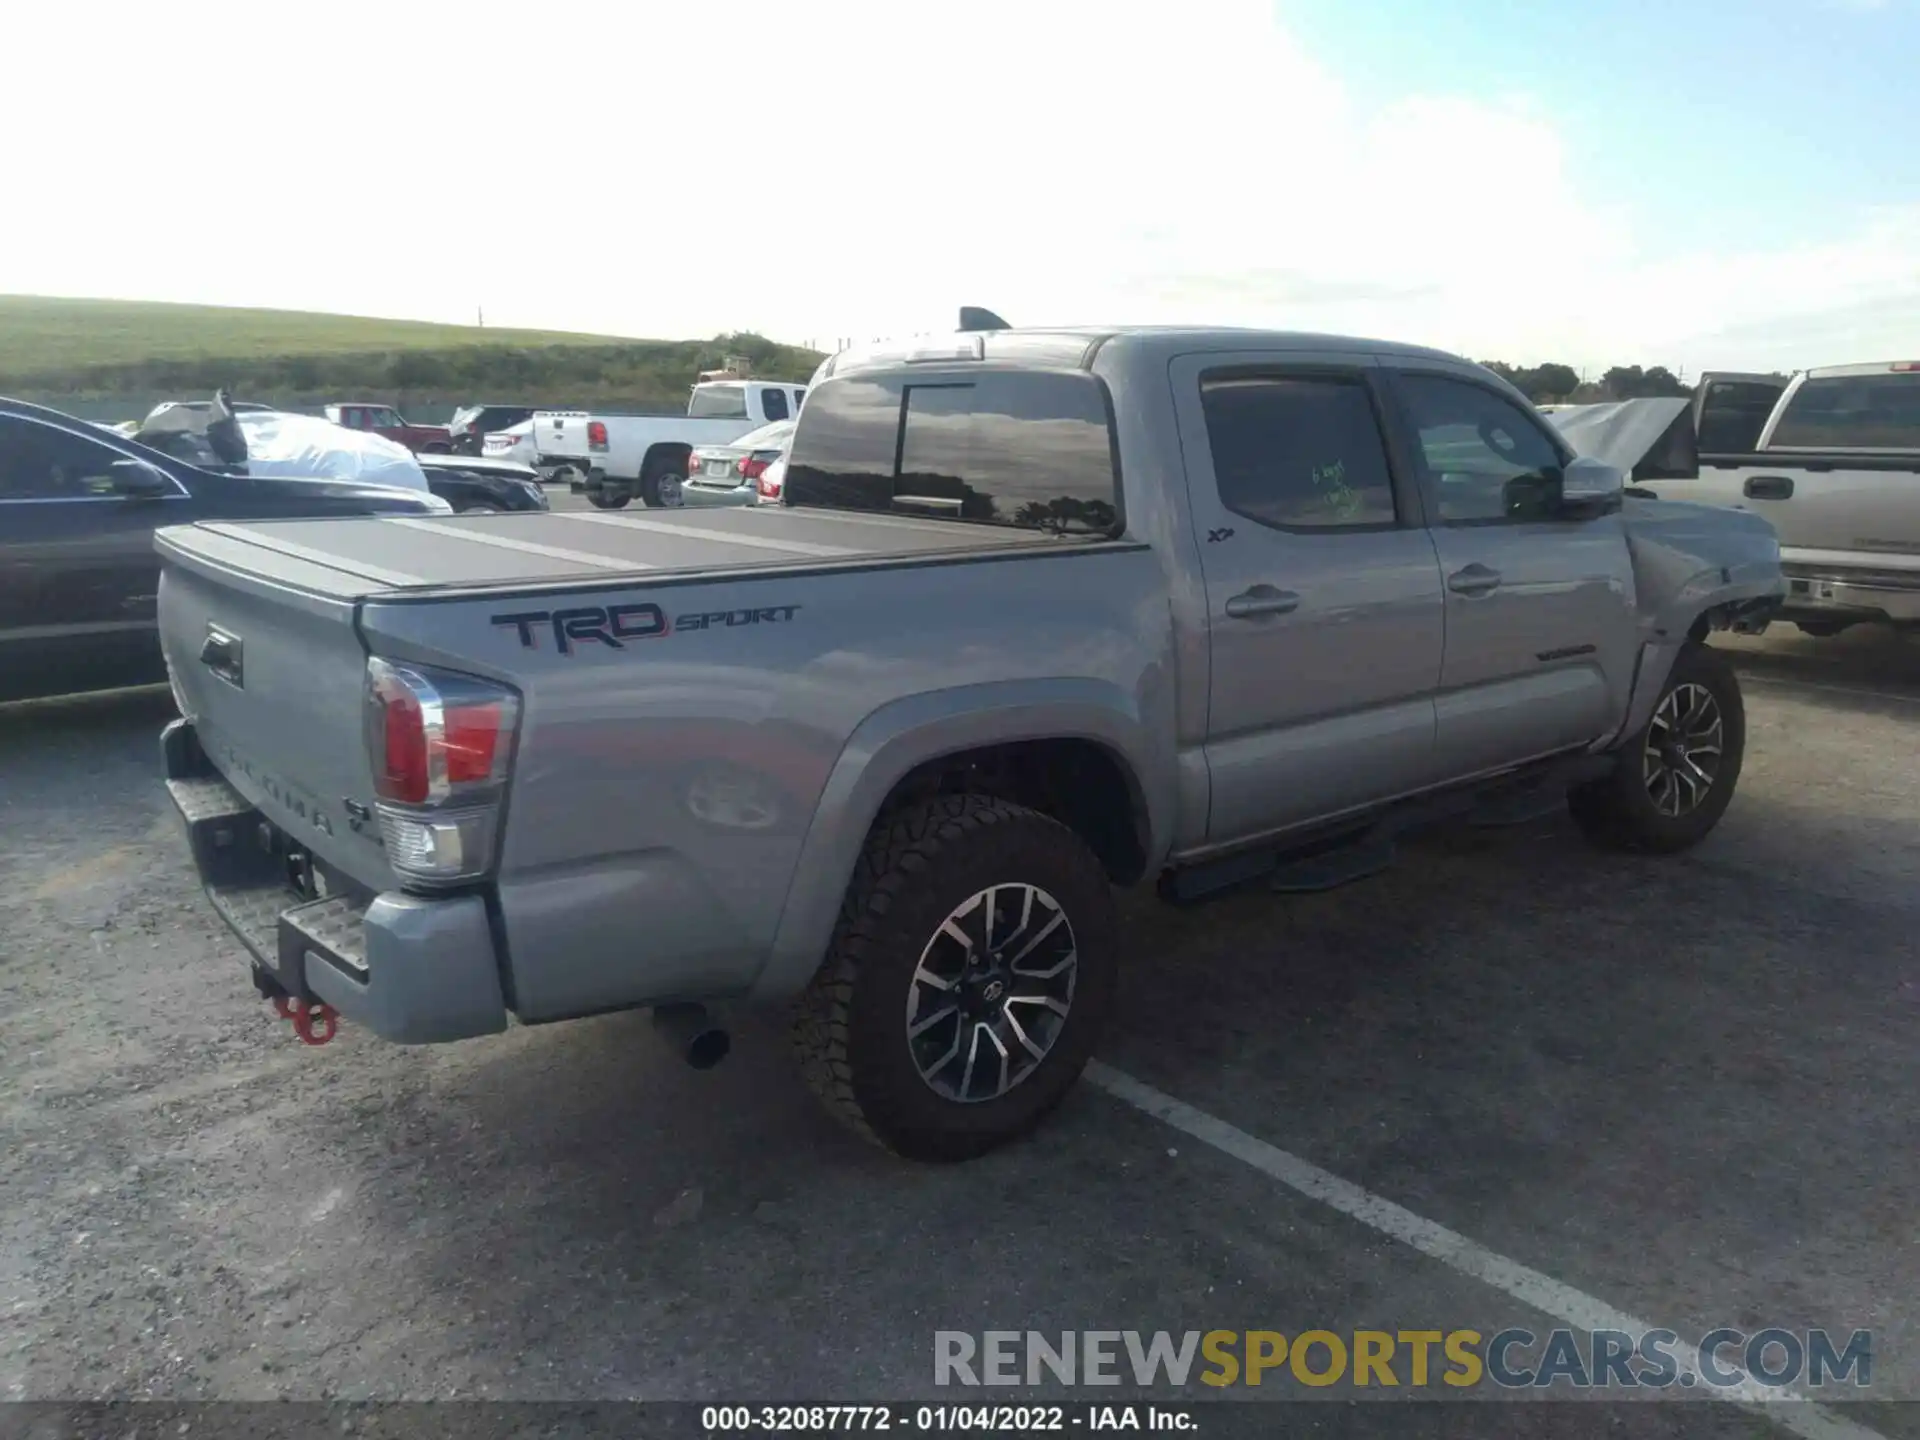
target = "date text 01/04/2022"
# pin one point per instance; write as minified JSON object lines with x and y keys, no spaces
{"x":978,"y":1419}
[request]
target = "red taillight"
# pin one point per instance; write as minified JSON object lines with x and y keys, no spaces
{"x":596,"y":435}
{"x":403,"y":745}
{"x":752,"y":467}
{"x":473,"y":734}
{"x":1904,"y":365}
{"x":768,"y":488}
{"x":434,"y":737}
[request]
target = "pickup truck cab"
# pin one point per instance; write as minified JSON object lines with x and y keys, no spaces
{"x":387,"y":421}
{"x":1835,"y":469}
{"x":616,"y":457}
{"x":1042,"y":613}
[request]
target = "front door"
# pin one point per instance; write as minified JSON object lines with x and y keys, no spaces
{"x":1323,"y":593}
{"x":1542,"y":634}
{"x":78,"y":573}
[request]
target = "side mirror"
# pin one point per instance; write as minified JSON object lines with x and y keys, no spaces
{"x":138,"y":479}
{"x":1590,"y":487}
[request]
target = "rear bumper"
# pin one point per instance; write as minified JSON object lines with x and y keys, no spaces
{"x":411,"y":969}
{"x":1830,"y":592}
{"x":698,"y":496}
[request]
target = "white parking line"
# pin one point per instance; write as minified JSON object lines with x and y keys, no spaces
{"x":1787,"y":683}
{"x":1787,"y":1408}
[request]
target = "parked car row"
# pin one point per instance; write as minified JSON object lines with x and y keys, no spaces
{"x":615,"y":458}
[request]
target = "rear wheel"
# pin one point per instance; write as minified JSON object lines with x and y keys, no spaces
{"x":968,"y":980}
{"x":1675,"y":778}
{"x":1823,"y":629}
{"x":660,"y":486}
{"x":479,"y":510}
{"x":603,"y":499}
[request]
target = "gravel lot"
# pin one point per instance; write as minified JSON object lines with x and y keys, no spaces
{"x":1684,"y":1087}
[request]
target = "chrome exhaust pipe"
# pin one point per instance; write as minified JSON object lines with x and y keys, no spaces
{"x":692,"y":1031}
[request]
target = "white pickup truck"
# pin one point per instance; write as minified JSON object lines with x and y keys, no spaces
{"x":1836,"y":470}
{"x":616,"y":457}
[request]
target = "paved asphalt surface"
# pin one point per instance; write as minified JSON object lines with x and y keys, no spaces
{"x":1683,"y":1088}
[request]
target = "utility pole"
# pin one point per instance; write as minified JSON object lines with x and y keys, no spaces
{"x":480,"y":316}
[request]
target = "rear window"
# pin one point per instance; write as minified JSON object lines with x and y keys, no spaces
{"x":718,"y":402}
{"x":1853,"y":412}
{"x":1028,"y":449}
{"x":774,"y":403}
{"x":1734,"y":412}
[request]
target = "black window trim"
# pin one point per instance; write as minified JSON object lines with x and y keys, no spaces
{"x":1409,"y":504}
{"x":1410,"y":438}
{"x":180,"y":491}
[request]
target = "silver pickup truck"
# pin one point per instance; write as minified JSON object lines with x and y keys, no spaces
{"x":1043,"y":613}
{"x":1835,"y":469}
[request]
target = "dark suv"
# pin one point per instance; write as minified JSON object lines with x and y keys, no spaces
{"x":471,"y":424}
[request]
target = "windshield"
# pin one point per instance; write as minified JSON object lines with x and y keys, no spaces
{"x":718,"y":402}
{"x":767,"y":437}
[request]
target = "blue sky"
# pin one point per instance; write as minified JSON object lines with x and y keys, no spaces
{"x":1714,"y":118}
{"x":1726,"y":185}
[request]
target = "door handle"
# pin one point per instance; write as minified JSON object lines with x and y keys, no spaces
{"x":223,"y":654}
{"x":1474,"y":579}
{"x":1769,"y":487}
{"x":1262,"y":600}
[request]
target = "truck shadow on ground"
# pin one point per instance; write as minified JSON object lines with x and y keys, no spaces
{"x":1630,"y":1069}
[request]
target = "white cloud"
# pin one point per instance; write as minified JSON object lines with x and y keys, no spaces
{"x":830,"y":169}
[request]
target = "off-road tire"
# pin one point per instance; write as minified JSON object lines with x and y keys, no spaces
{"x":1618,"y":812}
{"x":849,"y":1028}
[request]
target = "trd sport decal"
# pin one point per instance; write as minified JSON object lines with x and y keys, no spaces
{"x":616,"y":626}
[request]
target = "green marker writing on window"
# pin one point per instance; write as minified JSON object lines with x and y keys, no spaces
{"x":1342,"y":498}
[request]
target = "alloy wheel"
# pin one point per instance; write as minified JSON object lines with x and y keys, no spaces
{"x":1683,"y":750}
{"x":991,"y":993}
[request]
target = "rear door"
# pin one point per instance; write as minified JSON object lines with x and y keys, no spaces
{"x":1323,"y":591}
{"x":1541,"y":635}
{"x":78,"y":575}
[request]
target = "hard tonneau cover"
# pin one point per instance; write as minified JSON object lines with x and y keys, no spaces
{"x":360,"y":558}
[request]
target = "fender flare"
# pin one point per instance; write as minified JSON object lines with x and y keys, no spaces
{"x":899,"y":737}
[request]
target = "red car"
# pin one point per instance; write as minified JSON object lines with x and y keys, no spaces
{"x":387,"y":421}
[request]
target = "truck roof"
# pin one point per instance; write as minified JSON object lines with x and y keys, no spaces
{"x":1871,"y":367}
{"x":1074,"y":347}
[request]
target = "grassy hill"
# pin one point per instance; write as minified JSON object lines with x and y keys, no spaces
{"x":70,"y":349}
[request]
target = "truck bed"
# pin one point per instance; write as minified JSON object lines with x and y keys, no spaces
{"x":354,"y":559}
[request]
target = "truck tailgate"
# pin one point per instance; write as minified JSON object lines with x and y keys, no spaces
{"x":271,"y":670}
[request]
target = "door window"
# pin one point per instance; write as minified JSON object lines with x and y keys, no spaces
{"x":1486,"y":459}
{"x":1298,"y":452}
{"x":38,"y":462}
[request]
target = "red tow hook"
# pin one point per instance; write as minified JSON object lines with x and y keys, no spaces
{"x":314,"y":1021}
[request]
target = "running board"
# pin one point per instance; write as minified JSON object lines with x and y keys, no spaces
{"x":1307,"y":867}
